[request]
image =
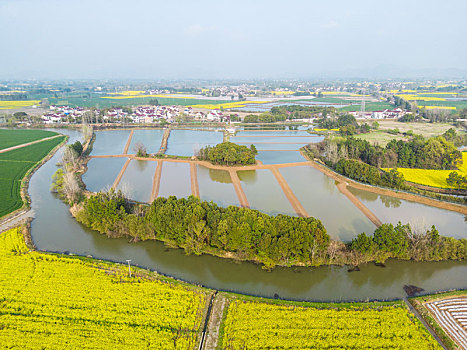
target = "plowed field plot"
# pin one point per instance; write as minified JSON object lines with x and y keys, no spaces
{"x":451,"y":315}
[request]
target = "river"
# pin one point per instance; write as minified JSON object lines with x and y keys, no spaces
{"x":54,"y":229}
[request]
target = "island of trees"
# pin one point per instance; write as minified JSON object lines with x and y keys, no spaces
{"x":228,"y":153}
{"x":246,"y":234}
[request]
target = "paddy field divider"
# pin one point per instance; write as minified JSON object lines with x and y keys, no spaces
{"x":125,"y":150}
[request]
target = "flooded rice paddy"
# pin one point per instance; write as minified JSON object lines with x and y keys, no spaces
{"x":54,"y":229}
{"x":216,"y":185}
{"x":278,"y":157}
{"x":110,"y":142}
{"x":264,"y":192}
{"x":188,"y":142}
{"x":150,"y":138}
{"x":321,"y":199}
{"x":102,"y":173}
{"x":137,"y":181}
{"x":175,"y":180}
{"x":421,"y":217}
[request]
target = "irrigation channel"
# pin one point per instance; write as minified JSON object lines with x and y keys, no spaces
{"x":284,"y":182}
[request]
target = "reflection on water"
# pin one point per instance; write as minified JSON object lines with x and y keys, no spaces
{"x":264,"y":192}
{"x":392,"y":210}
{"x":102,"y":173}
{"x":216,"y":186}
{"x":137,"y":180}
{"x":322,"y":199}
{"x":249,"y":176}
{"x":221,"y":176}
{"x":175,"y":180}
{"x":141,"y":165}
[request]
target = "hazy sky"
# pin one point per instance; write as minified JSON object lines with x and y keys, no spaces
{"x":227,"y":39}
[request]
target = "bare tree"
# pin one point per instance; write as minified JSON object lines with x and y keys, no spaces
{"x":70,"y":159}
{"x":70,"y":187}
{"x":140,"y":149}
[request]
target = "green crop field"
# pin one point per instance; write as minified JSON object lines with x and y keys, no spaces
{"x":108,"y":102}
{"x":32,"y":153}
{"x":257,"y":325}
{"x":12,"y":137}
{"x":337,"y":100}
{"x":369,"y":107}
{"x":14,"y":165}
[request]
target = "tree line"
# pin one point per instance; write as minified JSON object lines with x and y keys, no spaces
{"x":433,"y":153}
{"x":246,"y":234}
{"x":289,"y":112}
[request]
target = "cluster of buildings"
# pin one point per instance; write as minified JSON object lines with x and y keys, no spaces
{"x":385,"y":114}
{"x":152,"y":114}
{"x":62,"y":114}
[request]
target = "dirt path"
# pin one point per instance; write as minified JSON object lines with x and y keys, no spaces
{"x":194,"y":180}
{"x":422,"y":320}
{"x":212,"y":332}
{"x":119,"y":176}
{"x":156,"y":182}
{"x":238,"y":189}
{"x":342,"y":186}
{"x":402,"y":195}
{"x":165,"y":140}
{"x":27,"y":144}
{"x":296,"y":205}
{"x":16,"y":219}
{"x":125,"y":150}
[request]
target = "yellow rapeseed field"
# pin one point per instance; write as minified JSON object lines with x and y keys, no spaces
{"x":119,"y":97}
{"x":57,"y":302}
{"x":282,"y":92}
{"x":128,"y":93}
{"x":17,"y":104}
{"x":416,"y":97}
{"x":229,"y":105}
{"x":430,"y":177}
{"x":438,"y":107}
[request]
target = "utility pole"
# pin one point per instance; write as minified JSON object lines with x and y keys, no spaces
{"x":362,"y":106}
{"x":129,"y":268}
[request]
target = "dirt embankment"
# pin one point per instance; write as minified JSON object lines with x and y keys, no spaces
{"x":120,"y":175}
{"x":402,"y":195}
{"x":125,"y":150}
{"x":238,"y":189}
{"x":296,"y":205}
{"x":194,"y":180}
{"x":165,"y":140}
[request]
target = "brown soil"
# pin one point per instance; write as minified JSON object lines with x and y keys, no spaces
{"x":27,"y":144}
{"x":125,"y":150}
{"x":119,"y":177}
{"x":342,"y":186}
{"x":238,"y":189}
{"x":296,"y":205}
{"x":156,"y":182}
{"x":194,"y":180}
